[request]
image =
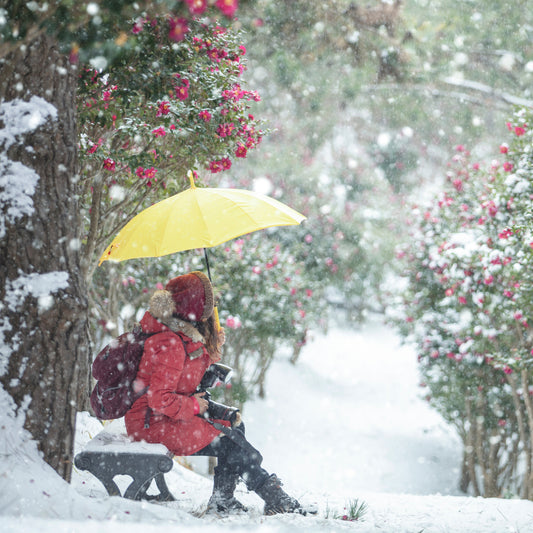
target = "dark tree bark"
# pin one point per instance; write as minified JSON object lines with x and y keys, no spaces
{"x":46,"y":353}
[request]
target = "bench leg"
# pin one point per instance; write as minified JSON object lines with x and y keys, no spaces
{"x":143,"y":468}
{"x":96,"y":465}
{"x":164,"y":494}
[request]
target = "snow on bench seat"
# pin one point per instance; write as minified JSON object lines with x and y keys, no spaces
{"x":111,"y":452}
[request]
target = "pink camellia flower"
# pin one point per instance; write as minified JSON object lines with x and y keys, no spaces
{"x":458,"y":184}
{"x":233,"y":322}
{"x":109,"y":164}
{"x":182,"y":92}
{"x":224,"y":130}
{"x":448,"y":292}
{"x":225,"y":163}
{"x":214,"y":54}
{"x":505,"y":234}
{"x":227,"y":7}
{"x":159,"y":132}
{"x":518,"y":315}
{"x":488,"y":280}
{"x":519,"y":130}
{"x":308,"y":238}
{"x":504,"y":149}
{"x":256,"y":270}
{"x":178,"y":27}
{"x":507,"y":166}
{"x":205,"y":115}
{"x":250,"y":142}
{"x":196,"y":7}
{"x":508,"y":370}
{"x":462,"y":300}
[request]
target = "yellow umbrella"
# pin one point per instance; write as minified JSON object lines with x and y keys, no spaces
{"x":197,"y":218}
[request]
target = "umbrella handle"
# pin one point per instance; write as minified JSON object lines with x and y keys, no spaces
{"x":217,"y":321}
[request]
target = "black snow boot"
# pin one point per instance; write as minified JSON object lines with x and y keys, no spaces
{"x":276,"y":499}
{"x":222,"y":501}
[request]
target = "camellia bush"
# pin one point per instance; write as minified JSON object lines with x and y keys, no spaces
{"x":467,"y":306}
{"x":172,"y":100}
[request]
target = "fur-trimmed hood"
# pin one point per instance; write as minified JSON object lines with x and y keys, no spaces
{"x":189,"y":297}
{"x":150,"y":324}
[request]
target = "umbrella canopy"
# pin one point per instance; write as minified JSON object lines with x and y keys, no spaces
{"x":197,"y":218}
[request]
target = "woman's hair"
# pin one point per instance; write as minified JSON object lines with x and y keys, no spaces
{"x":210,"y":332}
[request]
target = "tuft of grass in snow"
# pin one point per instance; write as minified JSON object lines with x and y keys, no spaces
{"x":354,"y":511}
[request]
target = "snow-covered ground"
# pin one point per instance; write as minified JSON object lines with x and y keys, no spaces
{"x":345,"y":424}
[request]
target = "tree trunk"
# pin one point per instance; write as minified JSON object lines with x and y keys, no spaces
{"x":44,"y":360}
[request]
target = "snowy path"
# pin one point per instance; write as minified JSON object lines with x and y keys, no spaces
{"x":346,"y":423}
{"x":348,"y":418}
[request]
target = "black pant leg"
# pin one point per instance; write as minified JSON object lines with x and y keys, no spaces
{"x":233,"y":458}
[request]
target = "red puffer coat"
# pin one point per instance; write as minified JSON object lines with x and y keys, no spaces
{"x":172,"y":376}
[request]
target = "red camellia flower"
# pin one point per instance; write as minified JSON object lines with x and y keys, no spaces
{"x":205,"y":115}
{"x":178,"y":29}
{"x":241,"y":151}
{"x":196,"y":7}
{"x":163,"y":109}
{"x":159,"y":132}
{"x":109,"y":164}
{"x":227,"y":7}
{"x":215,"y":166}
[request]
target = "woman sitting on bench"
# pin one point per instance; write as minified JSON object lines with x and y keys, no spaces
{"x":184,"y":343}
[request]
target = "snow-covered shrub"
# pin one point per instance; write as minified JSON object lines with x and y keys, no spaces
{"x":468,"y":309}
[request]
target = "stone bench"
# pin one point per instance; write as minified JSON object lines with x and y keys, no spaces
{"x":112,"y":453}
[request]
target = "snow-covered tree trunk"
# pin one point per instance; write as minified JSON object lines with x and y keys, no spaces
{"x":44,"y":343}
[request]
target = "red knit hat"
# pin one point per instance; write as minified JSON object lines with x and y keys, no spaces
{"x":193,"y":296}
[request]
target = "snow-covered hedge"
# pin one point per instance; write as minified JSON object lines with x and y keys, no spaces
{"x":468,"y":307}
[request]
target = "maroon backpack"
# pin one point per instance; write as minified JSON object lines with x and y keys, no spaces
{"x":115,"y":369}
